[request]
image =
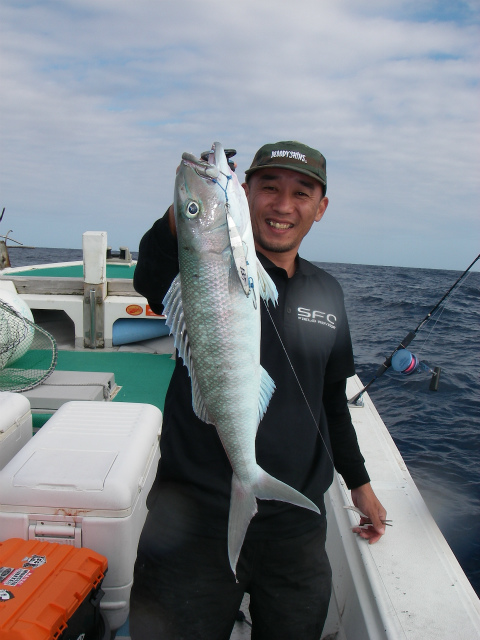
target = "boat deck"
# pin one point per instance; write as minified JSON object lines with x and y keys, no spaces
{"x":142,"y":377}
{"x":142,"y":371}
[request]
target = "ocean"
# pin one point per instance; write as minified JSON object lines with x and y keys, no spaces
{"x":437,"y":432}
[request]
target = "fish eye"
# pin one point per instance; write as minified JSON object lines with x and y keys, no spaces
{"x":192,"y":210}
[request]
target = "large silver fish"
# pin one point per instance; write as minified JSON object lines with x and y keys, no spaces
{"x":213,"y":311}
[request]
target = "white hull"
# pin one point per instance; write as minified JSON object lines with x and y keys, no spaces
{"x":409,"y":585}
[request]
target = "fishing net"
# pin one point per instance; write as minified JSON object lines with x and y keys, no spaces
{"x":28,"y":353}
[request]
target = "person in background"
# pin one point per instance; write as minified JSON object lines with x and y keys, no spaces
{"x":183,"y":586}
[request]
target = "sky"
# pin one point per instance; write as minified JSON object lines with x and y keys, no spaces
{"x":100,"y":98}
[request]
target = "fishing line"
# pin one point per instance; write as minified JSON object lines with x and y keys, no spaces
{"x":298,"y":381}
{"x":224,"y":189}
{"x":444,"y":308}
{"x":204,"y":175}
{"x":410,"y":336}
{"x":427,"y":337}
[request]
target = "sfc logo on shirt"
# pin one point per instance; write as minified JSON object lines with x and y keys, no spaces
{"x":317,"y":317}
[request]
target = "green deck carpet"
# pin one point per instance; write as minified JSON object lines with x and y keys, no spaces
{"x":143,"y":377}
{"x":76,"y":271}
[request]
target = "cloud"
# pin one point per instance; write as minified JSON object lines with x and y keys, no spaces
{"x":101,"y":97}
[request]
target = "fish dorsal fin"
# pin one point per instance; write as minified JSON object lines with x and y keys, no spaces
{"x":267,"y":387}
{"x":268,"y":290}
{"x":175,"y":319}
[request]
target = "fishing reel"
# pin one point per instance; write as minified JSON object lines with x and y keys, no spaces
{"x":406,"y":363}
{"x":228,"y":152}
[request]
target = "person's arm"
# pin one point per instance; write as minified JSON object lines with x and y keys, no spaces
{"x":349,"y":461}
{"x":157,"y":263}
{"x":347,"y":456}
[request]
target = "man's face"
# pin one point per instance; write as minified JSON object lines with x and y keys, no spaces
{"x":283,"y":206}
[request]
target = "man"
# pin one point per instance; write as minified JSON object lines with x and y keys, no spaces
{"x":183,"y":586}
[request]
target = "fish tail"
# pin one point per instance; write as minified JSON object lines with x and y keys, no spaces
{"x":269,"y":488}
{"x":243,"y":506}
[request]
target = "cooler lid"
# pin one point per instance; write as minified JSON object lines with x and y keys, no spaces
{"x":65,"y":470}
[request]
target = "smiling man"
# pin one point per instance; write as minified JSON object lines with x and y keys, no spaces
{"x":183,"y":584}
{"x":286,"y":194}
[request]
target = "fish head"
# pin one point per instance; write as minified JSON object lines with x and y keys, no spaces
{"x":205,"y":191}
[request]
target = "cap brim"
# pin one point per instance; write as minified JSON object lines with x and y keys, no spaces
{"x":272,"y":165}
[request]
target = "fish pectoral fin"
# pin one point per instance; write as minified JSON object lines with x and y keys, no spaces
{"x":175,"y":320}
{"x":269,"y":488}
{"x":243,"y":506}
{"x":268,"y":290}
{"x":267,"y":387}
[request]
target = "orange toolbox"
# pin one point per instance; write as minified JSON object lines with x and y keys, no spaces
{"x":50,"y":591}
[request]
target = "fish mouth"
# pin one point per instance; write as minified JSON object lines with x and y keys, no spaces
{"x":203,"y":168}
{"x":280,"y":226}
{"x":212,"y":164}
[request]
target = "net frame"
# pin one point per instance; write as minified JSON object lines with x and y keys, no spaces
{"x":22,"y":343}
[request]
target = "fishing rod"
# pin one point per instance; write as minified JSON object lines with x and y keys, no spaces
{"x":409,"y":337}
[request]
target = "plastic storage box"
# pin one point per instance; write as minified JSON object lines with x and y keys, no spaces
{"x":50,"y":591}
{"x":15,"y":425}
{"x":83,"y":480}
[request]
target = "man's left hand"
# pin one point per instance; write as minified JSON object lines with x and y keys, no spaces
{"x":365,"y":499}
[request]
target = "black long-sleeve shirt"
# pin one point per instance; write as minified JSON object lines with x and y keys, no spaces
{"x":306,"y":349}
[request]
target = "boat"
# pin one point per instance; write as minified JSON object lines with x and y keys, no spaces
{"x":406,"y":587}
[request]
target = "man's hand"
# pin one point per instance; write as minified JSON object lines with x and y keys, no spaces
{"x":365,"y":499}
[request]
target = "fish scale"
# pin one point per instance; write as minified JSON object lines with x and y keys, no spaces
{"x":223,"y":390}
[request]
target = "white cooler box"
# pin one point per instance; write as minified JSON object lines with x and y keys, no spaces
{"x":15,"y":425}
{"x":83,"y":480}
